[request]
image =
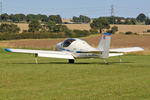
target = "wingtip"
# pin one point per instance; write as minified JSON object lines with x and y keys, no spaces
{"x":8,"y":50}
{"x":143,"y":49}
{"x":140,"y":48}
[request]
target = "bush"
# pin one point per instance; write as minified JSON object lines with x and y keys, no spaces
{"x":113,"y":30}
{"x":128,"y":33}
{"x":148,"y":30}
{"x":9,"y":28}
{"x":69,"y":33}
{"x":80,"y":33}
{"x":147,"y":22}
{"x":41,"y":35}
{"x":6,"y":36}
{"x":93,"y":31}
{"x":60,"y":28}
{"x":34,"y":26}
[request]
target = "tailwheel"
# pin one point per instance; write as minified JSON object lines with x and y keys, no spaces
{"x":120,"y":59}
{"x":71,"y":61}
{"x":106,"y":62}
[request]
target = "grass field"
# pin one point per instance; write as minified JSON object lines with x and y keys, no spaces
{"x":91,"y":79}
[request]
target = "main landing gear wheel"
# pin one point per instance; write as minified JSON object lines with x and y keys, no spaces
{"x":71,"y":61}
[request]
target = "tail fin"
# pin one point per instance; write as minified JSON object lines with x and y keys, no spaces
{"x":104,"y":45}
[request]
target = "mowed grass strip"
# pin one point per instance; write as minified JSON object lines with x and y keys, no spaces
{"x":88,"y":79}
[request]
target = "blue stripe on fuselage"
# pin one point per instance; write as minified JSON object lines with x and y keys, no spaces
{"x":78,"y":51}
{"x":69,"y":50}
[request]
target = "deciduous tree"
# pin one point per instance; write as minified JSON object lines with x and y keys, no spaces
{"x":141,"y":17}
{"x":34,"y":26}
{"x":55,"y":18}
{"x":100,"y":23}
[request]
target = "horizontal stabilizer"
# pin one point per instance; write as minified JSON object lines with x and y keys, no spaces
{"x":115,"y":54}
{"x":126,"y":50}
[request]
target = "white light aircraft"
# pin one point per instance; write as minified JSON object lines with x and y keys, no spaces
{"x":74,"y":48}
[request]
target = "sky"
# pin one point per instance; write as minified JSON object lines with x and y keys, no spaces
{"x":70,"y":8}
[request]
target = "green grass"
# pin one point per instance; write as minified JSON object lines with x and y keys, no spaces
{"x":90,"y":79}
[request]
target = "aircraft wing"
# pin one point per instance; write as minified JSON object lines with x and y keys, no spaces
{"x":43,"y":53}
{"x":126,"y":50}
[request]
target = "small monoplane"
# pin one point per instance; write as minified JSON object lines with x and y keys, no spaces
{"x":75,"y":48}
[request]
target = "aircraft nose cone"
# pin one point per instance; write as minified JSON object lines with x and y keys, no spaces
{"x":58,"y":45}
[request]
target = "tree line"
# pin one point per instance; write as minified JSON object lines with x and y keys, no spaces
{"x":140,"y":19}
{"x":81,"y":19}
{"x":18,"y":18}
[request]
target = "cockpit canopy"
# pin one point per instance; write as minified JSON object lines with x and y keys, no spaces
{"x":67,"y":42}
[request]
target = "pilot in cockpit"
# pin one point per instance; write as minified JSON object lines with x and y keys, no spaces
{"x":68,"y":42}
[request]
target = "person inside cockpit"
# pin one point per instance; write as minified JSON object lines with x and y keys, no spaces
{"x":68,"y":42}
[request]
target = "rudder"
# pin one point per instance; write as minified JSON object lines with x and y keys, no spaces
{"x":104,"y":45}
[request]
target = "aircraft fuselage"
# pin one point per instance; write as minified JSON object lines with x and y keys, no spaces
{"x":76,"y":47}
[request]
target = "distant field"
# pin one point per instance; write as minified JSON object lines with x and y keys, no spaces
{"x":122,"y":28}
{"x":23,"y":26}
{"x":91,"y":79}
{"x":78,"y":26}
{"x":133,"y":28}
{"x":66,"y":20}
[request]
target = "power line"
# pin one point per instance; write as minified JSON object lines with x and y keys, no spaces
{"x":112,"y":13}
{"x":112,"y":10}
